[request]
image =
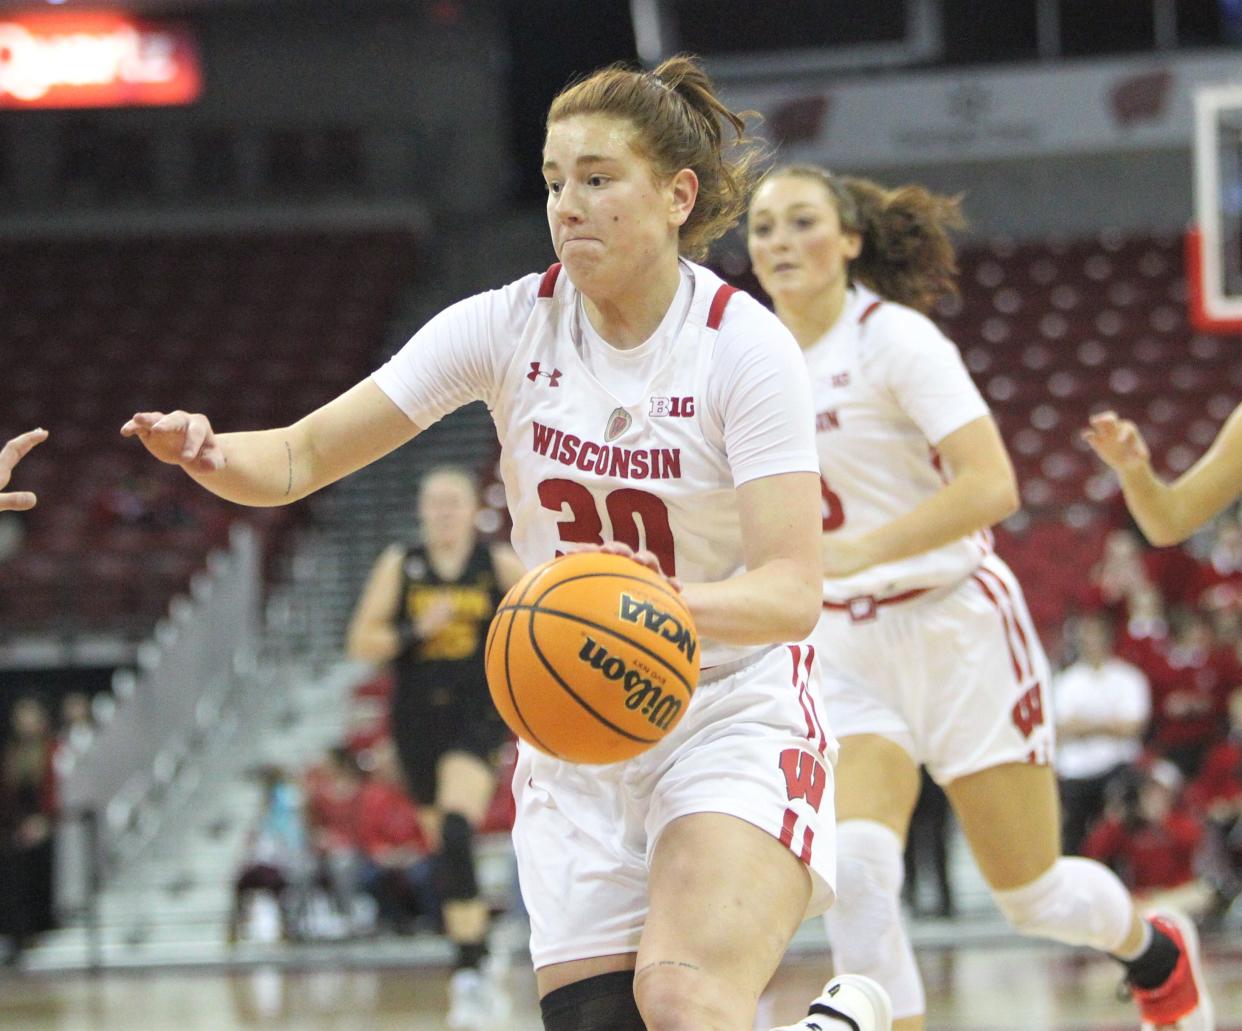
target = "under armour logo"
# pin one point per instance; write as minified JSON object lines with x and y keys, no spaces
{"x":535,"y":373}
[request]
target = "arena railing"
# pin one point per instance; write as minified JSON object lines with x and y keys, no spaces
{"x":113,"y":792}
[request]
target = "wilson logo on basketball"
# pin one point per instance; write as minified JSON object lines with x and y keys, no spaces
{"x":665,"y":624}
{"x":641,"y":694}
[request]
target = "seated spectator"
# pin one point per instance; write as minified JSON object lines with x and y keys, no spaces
{"x":1102,"y":705}
{"x":332,"y":791}
{"x":1119,"y":572}
{"x":396,"y":866}
{"x":1216,"y":796}
{"x":28,"y":807}
{"x":1144,"y":636}
{"x":1152,"y":841}
{"x":1218,"y":584}
{"x":1189,"y":689}
{"x":272,"y":884}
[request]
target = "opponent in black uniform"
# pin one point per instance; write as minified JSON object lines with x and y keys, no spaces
{"x":441,"y":702}
{"x":427,"y":609}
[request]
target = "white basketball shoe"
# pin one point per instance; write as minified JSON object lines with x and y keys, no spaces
{"x":849,"y":1001}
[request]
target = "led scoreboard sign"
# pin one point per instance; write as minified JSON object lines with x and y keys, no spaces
{"x":95,"y":60}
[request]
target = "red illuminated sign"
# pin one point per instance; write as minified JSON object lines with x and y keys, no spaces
{"x":95,"y":60}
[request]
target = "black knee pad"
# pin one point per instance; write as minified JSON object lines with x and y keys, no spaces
{"x":601,"y":1003}
{"x":456,"y":879}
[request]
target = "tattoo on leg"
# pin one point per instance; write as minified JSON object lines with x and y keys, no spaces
{"x":289,"y":453}
{"x":665,"y":963}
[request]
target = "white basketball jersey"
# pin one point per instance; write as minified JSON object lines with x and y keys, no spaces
{"x":580,"y":467}
{"x":887,"y":383}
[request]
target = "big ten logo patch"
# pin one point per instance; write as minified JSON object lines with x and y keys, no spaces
{"x":640,"y":693}
{"x":672,"y":407}
{"x":1028,"y":711}
{"x":665,"y":624}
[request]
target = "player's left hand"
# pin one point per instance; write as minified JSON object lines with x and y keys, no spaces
{"x":12,"y":453}
{"x":844,"y":556}
{"x":643,"y":558}
{"x":1117,"y":441}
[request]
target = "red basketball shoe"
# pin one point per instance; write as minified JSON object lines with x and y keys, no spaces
{"x":1182,"y":1003}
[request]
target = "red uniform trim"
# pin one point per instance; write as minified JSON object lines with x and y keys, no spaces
{"x":548,"y":284}
{"x":869,"y":312}
{"x":715,"y":314}
{"x":893,"y":599}
{"x":1008,"y":619}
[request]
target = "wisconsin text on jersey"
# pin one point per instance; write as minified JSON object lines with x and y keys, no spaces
{"x":656,"y":463}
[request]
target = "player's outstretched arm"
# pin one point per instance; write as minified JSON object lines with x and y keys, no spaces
{"x":12,"y":453}
{"x":263,"y":468}
{"x":1169,"y":513}
{"x":778,"y":598}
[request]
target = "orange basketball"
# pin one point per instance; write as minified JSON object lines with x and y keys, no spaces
{"x":592,"y":658}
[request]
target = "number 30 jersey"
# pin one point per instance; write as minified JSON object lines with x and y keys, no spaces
{"x":726,"y":401}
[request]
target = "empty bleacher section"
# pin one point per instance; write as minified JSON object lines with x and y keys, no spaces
{"x":254,"y":330}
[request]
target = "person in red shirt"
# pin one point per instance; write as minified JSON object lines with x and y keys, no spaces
{"x":1152,"y":841}
{"x":1216,"y":795}
{"x":395,"y":864}
{"x":1188,"y":690}
{"x":1218,"y":583}
{"x":332,"y":789}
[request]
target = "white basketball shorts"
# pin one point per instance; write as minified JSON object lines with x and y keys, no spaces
{"x":752,"y":744}
{"x":957,"y":677}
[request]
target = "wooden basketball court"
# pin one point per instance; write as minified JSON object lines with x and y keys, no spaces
{"x":1014,"y":987}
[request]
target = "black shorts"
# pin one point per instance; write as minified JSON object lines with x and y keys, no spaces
{"x":424,"y":733}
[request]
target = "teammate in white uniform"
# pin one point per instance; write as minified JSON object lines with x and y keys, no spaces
{"x":929,"y":654}
{"x":640,"y":402}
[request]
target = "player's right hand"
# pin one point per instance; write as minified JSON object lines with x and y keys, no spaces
{"x":12,"y":453}
{"x":1117,"y":441}
{"x":178,"y":438}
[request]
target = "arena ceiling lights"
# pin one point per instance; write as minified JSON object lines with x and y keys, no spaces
{"x":72,"y":60}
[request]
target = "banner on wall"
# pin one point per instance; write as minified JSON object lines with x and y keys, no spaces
{"x":966,"y":115}
{"x":69,"y":60}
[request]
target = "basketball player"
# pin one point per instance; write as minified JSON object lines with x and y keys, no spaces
{"x":638,"y":400}
{"x":929,"y":653}
{"x":428,"y":608}
{"x":1168,"y":513}
{"x":12,"y":453}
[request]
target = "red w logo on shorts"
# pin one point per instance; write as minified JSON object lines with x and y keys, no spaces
{"x":1028,"y":711}
{"x":804,"y":776}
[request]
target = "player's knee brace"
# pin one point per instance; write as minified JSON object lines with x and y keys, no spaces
{"x":601,"y":1003}
{"x":1077,"y":901}
{"x":456,"y":877}
{"x":864,"y":924}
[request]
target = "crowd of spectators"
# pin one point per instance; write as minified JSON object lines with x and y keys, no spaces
{"x":340,"y":850}
{"x":1149,"y":718}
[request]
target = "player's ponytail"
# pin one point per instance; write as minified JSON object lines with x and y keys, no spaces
{"x":680,"y":123}
{"x":907,"y":255}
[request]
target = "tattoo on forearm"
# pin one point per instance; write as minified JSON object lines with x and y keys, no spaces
{"x":289,"y":453}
